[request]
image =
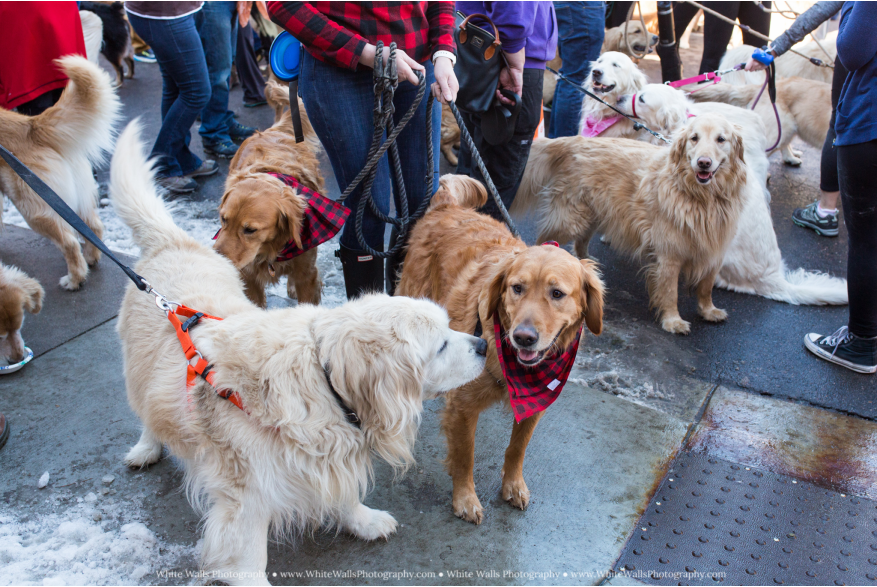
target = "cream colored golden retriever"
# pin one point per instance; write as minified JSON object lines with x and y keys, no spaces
{"x":61,"y":145}
{"x":612,"y":75}
{"x":290,"y":458}
{"x":804,"y":107}
{"x":677,"y":211}
{"x":640,"y":39}
{"x":753,"y":263}
{"x":787,"y":65}
{"x":18,"y":293}
{"x":473,"y":266}
{"x":260,"y":214}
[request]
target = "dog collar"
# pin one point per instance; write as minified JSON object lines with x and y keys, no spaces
{"x":349,"y":413}
{"x":633,"y":105}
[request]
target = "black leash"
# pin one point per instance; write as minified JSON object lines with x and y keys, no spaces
{"x":67,"y":214}
{"x":637,"y":125}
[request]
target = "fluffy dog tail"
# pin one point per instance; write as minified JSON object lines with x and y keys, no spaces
{"x":459,"y":190}
{"x":811,"y":288}
{"x":84,"y":119}
{"x":135,"y":198}
{"x":277,"y":96}
{"x":537,"y":176}
{"x":740,"y":96}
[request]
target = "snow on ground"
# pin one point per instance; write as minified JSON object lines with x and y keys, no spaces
{"x":90,"y":543}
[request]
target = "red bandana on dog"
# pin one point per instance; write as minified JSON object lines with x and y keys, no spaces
{"x":322,"y":219}
{"x":533,"y":389}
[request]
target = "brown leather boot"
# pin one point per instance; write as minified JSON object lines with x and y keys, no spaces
{"x":4,"y":430}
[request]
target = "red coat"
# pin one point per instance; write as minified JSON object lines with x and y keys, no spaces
{"x":32,"y":35}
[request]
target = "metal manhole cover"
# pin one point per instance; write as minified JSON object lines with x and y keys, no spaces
{"x":713,"y":521}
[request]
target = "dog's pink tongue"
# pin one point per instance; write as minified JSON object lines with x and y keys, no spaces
{"x":527,"y":355}
{"x":703,"y":174}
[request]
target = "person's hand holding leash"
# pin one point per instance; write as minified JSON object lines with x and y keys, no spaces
{"x":512,"y":77}
{"x":405,"y":66}
{"x":446,"y":85}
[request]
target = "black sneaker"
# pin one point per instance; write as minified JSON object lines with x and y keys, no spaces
{"x":846,"y":349}
{"x":808,"y":217}
{"x":223,"y":149}
{"x":239,"y":132}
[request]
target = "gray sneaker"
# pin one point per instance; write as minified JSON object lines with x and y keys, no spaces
{"x":179,"y":184}
{"x":808,"y":217}
{"x":208,"y":167}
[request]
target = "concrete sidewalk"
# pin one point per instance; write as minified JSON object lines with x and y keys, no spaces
{"x":744,"y":393}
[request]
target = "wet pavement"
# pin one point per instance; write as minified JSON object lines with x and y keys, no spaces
{"x":640,"y":403}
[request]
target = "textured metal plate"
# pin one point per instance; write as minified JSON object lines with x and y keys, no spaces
{"x":713,"y":521}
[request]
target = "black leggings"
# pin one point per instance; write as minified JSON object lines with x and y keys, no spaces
{"x":828,"y":165}
{"x":717,"y":33}
{"x":857,"y":165}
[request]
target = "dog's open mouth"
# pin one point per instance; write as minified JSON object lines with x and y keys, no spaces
{"x":603,"y":88}
{"x":530,"y":358}
{"x":639,"y":48}
{"x":704,"y":177}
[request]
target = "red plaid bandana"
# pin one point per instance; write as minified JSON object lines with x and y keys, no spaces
{"x":533,"y":389}
{"x":323,"y":219}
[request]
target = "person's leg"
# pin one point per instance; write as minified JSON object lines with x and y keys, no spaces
{"x":248,"y":68}
{"x":506,"y":162}
{"x":339,"y":103}
{"x":217,"y":25}
{"x":716,"y":34}
{"x":756,"y":19}
{"x":682,"y":15}
{"x":617,"y":14}
{"x":180,"y":56}
{"x":580,"y":38}
{"x":41,"y":103}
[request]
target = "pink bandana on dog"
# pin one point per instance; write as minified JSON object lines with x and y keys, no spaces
{"x":594,"y":128}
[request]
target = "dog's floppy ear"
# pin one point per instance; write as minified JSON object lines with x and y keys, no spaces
{"x":592,"y":296}
{"x":33,"y":295}
{"x":459,"y":190}
{"x":492,"y":294}
{"x":291,"y":208}
{"x":678,"y":148}
{"x":737,"y":143}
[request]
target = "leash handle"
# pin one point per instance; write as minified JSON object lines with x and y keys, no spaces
{"x":294,"y":111}
{"x":66,"y":213}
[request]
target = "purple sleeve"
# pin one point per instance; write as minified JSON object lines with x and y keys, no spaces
{"x":857,"y":39}
{"x":514,"y":20}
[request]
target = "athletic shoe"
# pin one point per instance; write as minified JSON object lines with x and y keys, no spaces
{"x":239,"y":132}
{"x":145,"y":56}
{"x":845,"y":349}
{"x":208,"y":167}
{"x":223,"y":149}
{"x":808,"y":217}
{"x":255,"y":104}
{"x":178,"y":184}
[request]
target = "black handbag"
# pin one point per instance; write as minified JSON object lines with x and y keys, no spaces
{"x":479,"y":61}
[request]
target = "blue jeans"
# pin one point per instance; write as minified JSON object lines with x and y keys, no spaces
{"x":217,"y":23}
{"x":580,"y":30}
{"x":185,"y":88}
{"x":339,"y":103}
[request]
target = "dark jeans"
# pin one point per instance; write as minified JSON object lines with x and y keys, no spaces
{"x":248,"y":68}
{"x":580,"y":37}
{"x":828,"y":181}
{"x":857,"y":165}
{"x":339,"y":103}
{"x":217,"y":24}
{"x":185,"y":87}
{"x":716,"y":33}
{"x":505,"y":163}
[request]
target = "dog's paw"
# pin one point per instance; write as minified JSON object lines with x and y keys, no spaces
{"x":676,"y":325}
{"x":70,"y":283}
{"x":713,"y":314}
{"x":92,"y":255}
{"x":369,"y":524}
{"x":516,"y":493}
{"x":143,"y":454}
{"x":796,"y":152}
{"x":468,"y":508}
{"x":792,"y":160}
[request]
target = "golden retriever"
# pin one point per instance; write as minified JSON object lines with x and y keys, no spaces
{"x":450,"y":135}
{"x":753,"y":262}
{"x":18,"y":292}
{"x":473,"y":266}
{"x":612,"y":75}
{"x":787,"y":65}
{"x":260,"y":214}
{"x":61,"y":145}
{"x":676,"y":211}
{"x":640,"y":39}
{"x":804,"y":107}
{"x":290,"y":458}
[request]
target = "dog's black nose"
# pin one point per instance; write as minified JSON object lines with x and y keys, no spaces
{"x":481,"y":347}
{"x":654,"y":39}
{"x":596,"y":74}
{"x":704,"y":162}
{"x":525,"y":336}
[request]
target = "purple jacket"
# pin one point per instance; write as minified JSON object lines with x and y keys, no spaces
{"x":521,"y":24}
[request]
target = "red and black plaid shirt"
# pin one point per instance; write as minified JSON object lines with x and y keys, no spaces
{"x":337,"y":32}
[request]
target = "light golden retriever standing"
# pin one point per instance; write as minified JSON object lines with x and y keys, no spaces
{"x":61,"y":145}
{"x":753,"y":263}
{"x":260,"y":214}
{"x":804,"y":107}
{"x":612,"y":75}
{"x":677,"y":211}
{"x":18,"y":292}
{"x":290,"y":458}
{"x":473,"y":266}
{"x":640,"y":39}
{"x":787,"y":65}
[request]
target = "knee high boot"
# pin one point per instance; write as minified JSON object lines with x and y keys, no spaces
{"x":363,"y":272}
{"x":394,"y":261}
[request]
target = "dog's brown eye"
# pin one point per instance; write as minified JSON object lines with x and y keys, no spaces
{"x":720,"y":139}
{"x":517,"y":289}
{"x":248,"y":230}
{"x":694,"y":139}
{"x":557,"y":294}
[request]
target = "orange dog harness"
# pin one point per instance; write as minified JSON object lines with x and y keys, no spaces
{"x":201,"y":368}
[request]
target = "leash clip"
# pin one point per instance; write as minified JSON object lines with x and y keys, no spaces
{"x":161,"y":301}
